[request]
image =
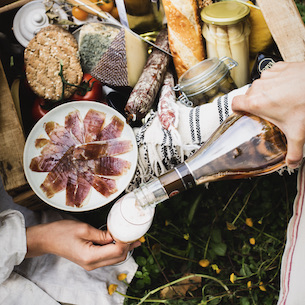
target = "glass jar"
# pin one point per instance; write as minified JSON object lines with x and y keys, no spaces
{"x":142,"y":16}
{"x":226,"y":30}
{"x":205,"y":81}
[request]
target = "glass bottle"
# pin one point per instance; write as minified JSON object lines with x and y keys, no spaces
{"x":263,"y":61}
{"x":242,"y":146}
{"x":142,"y":16}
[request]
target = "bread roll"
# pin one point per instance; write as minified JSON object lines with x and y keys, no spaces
{"x":51,"y":49}
{"x":184,"y":33}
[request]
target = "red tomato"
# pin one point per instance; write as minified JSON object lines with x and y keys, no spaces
{"x":91,"y":90}
{"x":38,"y":110}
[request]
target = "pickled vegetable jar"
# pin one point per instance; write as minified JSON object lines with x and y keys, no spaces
{"x":205,"y":81}
{"x":226,"y":30}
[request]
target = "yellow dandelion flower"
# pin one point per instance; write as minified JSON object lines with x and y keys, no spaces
{"x":186,"y":236}
{"x":142,"y":239}
{"x":122,"y":276}
{"x":216,"y":268}
{"x":262,"y":286}
{"x":112,"y":288}
{"x":204,"y":263}
{"x":231,"y":227}
{"x":232,"y":278}
{"x":249,"y":222}
{"x":249,"y":285}
{"x":252,"y":241}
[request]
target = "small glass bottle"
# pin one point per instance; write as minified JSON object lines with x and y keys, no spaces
{"x":205,"y":81}
{"x":226,"y":29}
{"x":243,"y":146}
{"x":142,"y":16}
{"x":263,"y":61}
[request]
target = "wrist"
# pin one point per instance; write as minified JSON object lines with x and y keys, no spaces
{"x":36,"y":240}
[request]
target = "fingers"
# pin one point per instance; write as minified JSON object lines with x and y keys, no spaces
{"x":107,"y":255}
{"x":240,"y":103}
{"x":135,"y":244}
{"x":294,"y":153}
{"x":99,"y":237}
{"x":277,"y":67}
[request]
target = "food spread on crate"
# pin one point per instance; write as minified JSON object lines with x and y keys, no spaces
{"x":91,"y":46}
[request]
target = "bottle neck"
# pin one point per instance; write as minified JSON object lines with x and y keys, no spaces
{"x":167,"y":185}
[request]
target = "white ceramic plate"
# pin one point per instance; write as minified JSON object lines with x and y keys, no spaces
{"x":58,"y":114}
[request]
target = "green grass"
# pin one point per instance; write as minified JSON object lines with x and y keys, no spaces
{"x":198,"y":225}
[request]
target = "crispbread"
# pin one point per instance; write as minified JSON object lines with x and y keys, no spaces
{"x":52,"y":47}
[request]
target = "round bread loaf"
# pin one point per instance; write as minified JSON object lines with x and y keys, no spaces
{"x":52,"y":48}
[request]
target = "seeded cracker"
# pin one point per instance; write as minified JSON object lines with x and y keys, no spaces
{"x":46,"y":52}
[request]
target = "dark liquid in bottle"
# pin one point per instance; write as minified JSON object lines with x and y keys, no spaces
{"x":244,"y":146}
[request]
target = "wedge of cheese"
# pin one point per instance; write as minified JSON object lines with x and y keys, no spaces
{"x":136,"y":52}
{"x":111,"y":54}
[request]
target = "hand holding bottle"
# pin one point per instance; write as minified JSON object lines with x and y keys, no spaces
{"x":278,"y":96}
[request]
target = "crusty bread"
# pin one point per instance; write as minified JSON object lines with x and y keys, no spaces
{"x":184,"y":33}
{"x":51,"y":47}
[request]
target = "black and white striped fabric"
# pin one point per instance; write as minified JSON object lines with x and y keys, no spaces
{"x":161,"y":149}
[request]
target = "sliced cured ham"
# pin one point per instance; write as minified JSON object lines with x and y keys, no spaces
{"x":104,"y":186}
{"x":97,"y":149}
{"x":44,"y":163}
{"x":112,"y":130}
{"x":53,"y":149}
{"x":59,"y":135}
{"x":74,"y":124}
{"x":81,"y":155}
{"x":111,"y":166}
{"x":40,"y":142}
{"x":93,"y":123}
{"x":57,"y":178}
{"x":77,"y":191}
{"x":49,"y":156}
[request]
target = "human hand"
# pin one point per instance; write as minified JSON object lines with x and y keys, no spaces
{"x":278,"y":96}
{"x":78,"y":242}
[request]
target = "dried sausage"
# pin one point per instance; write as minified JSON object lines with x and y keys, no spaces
{"x":145,"y":91}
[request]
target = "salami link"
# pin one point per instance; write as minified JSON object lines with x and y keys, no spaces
{"x":145,"y":91}
{"x":167,"y":110}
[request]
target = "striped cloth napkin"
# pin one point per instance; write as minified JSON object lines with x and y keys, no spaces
{"x":292,"y":290}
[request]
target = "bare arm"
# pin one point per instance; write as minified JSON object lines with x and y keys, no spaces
{"x":279,"y":97}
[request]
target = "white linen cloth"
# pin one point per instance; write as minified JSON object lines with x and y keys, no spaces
{"x":161,"y":149}
{"x":48,"y":279}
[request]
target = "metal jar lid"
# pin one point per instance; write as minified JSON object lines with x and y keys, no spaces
{"x":204,"y":75}
{"x":225,"y":13}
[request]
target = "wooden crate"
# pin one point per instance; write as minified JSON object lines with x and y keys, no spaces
{"x":7,"y":5}
{"x":11,"y":151}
